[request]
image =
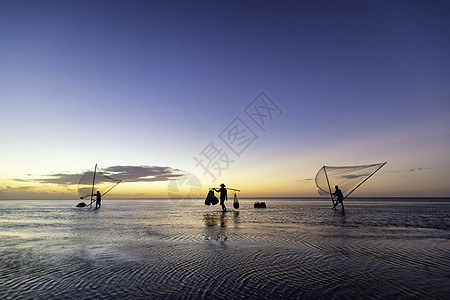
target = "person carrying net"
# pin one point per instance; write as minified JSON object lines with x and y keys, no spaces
{"x":340,"y":197}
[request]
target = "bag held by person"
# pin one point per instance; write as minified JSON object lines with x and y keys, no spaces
{"x":235,"y":202}
{"x":209,"y":197}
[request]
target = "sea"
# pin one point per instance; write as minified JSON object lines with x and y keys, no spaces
{"x":295,"y":248}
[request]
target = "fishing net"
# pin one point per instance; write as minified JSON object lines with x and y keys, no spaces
{"x":348,"y":178}
{"x":95,"y":180}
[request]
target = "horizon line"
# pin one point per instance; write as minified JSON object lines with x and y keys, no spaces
{"x":244,"y":198}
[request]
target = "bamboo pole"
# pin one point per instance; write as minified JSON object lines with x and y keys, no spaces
{"x":329,"y":188}
{"x":364,"y":180}
{"x":227,"y":189}
{"x":93,"y":182}
{"x":112,"y":187}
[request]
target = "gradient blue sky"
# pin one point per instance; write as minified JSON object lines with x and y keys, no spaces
{"x":152,"y":83}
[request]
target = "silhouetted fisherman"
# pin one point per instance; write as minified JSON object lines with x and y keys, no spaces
{"x":223,"y":196}
{"x":340,"y":197}
{"x":98,"y":199}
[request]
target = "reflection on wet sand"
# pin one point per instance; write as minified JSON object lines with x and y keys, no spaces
{"x":152,"y":249}
{"x":340,"y":218}
{"x":217,"y":225}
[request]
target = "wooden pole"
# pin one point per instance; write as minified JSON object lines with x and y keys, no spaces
{"x":112,"y":187}
{"x":93,"y":182}
{"x":329,"y":188}
{"x":227,"y":189}
{"x":364,"y":180}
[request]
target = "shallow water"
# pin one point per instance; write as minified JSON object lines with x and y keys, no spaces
{"x":160,"y":249}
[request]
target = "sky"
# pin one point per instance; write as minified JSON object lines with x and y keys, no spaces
{"x":174,"y":97}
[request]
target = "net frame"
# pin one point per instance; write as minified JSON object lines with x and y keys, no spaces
{"x":95,"y":180}
{"x":348,"y":178}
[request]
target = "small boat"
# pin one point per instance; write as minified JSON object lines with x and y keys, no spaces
{"x":259,"y":204}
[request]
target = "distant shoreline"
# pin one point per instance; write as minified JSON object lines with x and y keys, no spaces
{"x":381,"y":198}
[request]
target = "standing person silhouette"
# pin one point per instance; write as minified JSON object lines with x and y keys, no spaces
{"x":223,"y":196}
{"x":98,"y":199}
{"x":340,"y":197}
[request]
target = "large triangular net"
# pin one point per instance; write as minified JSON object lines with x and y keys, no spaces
{"x":95,"y":180}
{"x":348,"y":178}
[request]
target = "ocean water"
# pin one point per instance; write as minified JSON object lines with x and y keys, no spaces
{"x":166,"y":249}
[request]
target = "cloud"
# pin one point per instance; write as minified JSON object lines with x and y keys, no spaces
{"x":353,"y":176}
{"x":305,"y":180}
{"x":32,"y":192}
{"x":21,"y":188}
{"x":59,"y":178}
{"x":409,"y":171}
{"x":418,"y":169}
{"x":124,"y":173}
{"x":143,"y":173}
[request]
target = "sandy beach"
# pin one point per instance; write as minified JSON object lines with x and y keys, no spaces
{"x":163,"y":249}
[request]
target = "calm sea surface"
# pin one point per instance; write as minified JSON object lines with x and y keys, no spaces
{"x":165,"y":249}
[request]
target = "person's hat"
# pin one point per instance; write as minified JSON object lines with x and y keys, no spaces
{"x":222,"y":185}
{"x":335,"y":186}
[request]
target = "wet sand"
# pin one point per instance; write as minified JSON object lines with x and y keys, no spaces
{"x":162,"y":249}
